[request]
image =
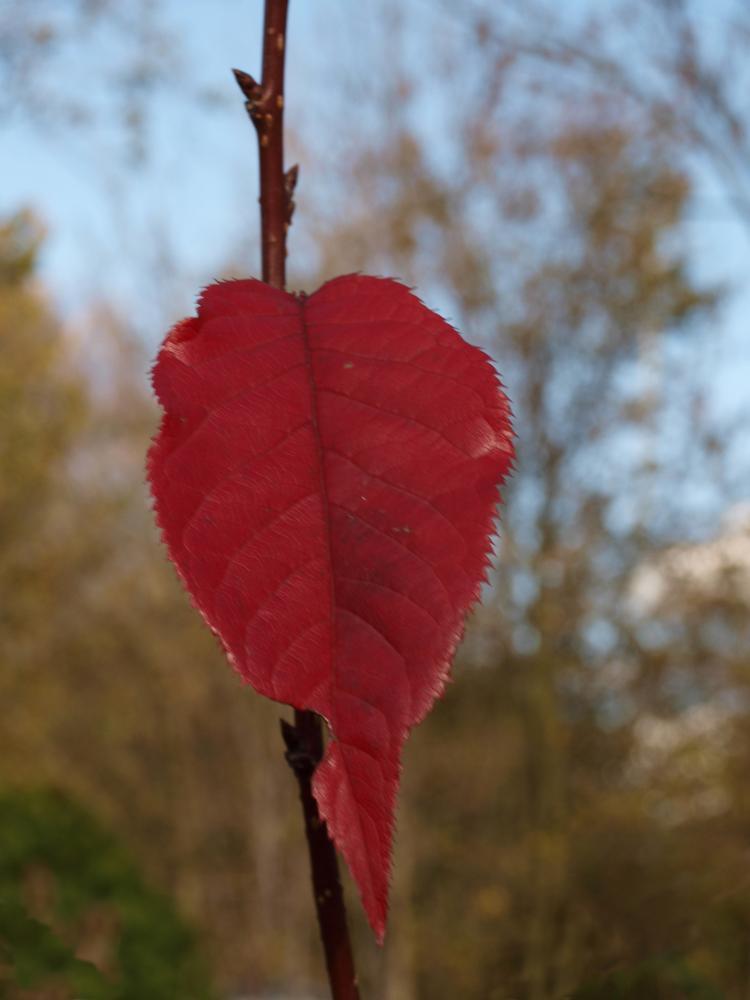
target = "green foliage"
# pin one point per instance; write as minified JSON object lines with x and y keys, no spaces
{"x":68,"y":889}
{"x":34,"y":957}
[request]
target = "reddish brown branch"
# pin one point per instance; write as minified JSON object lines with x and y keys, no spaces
{"x":265,"y":105}
{"x":304,"y":740}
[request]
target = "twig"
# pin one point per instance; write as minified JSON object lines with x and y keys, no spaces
{"x":265,"y":105}
{"x":304,"y":740}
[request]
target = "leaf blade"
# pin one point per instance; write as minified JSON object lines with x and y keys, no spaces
{"x":326,"y":479}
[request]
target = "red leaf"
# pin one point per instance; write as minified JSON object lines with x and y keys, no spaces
{"x":325,"y":478}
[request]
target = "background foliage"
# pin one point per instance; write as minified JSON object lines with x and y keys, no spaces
{"x":574,"y":818}
{"x":74,"y":915}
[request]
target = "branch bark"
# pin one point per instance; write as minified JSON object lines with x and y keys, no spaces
{"x":304,"y":742}
{"x":264,"y":102}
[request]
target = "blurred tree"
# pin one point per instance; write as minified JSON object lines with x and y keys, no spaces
{"x":557,"y":225}
{"x":72,"y":906}
{"x":120,"y":696}
{"x":682,"y":61}
{"x":49,"y":41}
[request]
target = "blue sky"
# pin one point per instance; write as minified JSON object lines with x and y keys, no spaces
{"x":147,"y":235}
{"x":197,"y":187}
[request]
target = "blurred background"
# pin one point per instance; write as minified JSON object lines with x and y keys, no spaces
{"x":569,"y":184}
